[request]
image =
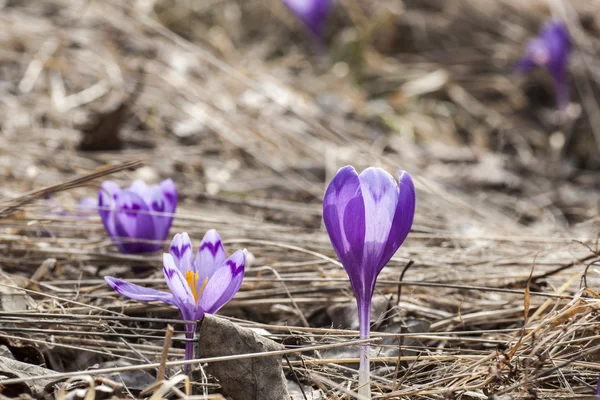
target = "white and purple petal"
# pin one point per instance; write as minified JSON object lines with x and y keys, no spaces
{"x":179,"y":288}
{"x":181,"y":251}
{"x":210,"y":256}
{"x":380,"y":196}
{"x":140,"y":188}
{"x":223,"y":284}
{"x":137,"y":292}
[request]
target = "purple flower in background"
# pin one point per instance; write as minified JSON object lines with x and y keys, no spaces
{"x":199,"y":286}
{"x":550,"y":50}
{"x":367,"y":217}
{"x":312,"y":13}
{"x":135,"y":216}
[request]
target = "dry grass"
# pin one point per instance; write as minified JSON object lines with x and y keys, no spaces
{"x":251,"y":126}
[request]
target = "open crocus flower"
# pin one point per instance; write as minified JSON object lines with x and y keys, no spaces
{"x":367,"y":217}
{"x":199,"y":286}
{"x":136,"y":216}
{"x":312,"y":13}
{"x":550,"y":50}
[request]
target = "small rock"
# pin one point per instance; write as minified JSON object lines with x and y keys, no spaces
{"x":296,"y":392}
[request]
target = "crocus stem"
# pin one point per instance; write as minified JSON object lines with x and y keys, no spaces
{"x":364,"y":322}
{"x":189,"y":347}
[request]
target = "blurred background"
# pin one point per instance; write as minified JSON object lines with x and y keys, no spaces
{"x":234,"y":101}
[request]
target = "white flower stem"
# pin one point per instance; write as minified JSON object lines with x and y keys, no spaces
{"x":364,"y":322}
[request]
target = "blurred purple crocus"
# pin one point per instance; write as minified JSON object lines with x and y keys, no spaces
{"x":550,"y":50}
{"x":199,"y":286}
{"x":367,"y":216}
{"x":312,"y":13}
{"x":136,"y":216}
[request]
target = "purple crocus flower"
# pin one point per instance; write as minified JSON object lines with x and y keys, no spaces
{"x":367,"y":216}
{"x":135,"y":216}
{"x":312,"y":13}
{"x":550,"y":50}
{"x":199,"y":286}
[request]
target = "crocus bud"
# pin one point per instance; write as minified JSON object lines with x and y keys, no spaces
{"x":367,"y":216}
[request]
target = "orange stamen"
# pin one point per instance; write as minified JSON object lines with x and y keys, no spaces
{"x":202,"y":287}
{"x":192,"y":281}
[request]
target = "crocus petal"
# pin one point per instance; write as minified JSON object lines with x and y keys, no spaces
{"x":344,"y":217}
{"x":169,"y":192}
{"x":210,"y":256}
{"x":133,"y":221}
{"x":380,"y":196}
{"x":181,"y":251}
{"x":223,"y":284}
{"x":179,"y":288}
{"x":162,"y":201}
{"x":107,"y":197}
{"x":312,"y":13}
{"x":137,"y":292}
{"x":403,"y":217}
{"x":140,"y":188}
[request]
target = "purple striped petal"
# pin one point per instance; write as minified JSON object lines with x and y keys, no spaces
{"x":344,"y":217}
{"x":223,"y":284}
{"x":403,"y":217}
{"x":107,"y":197}
{"x":380,"y":196}
{"x":210,"y":256}
{"x":133,"y":221}
{"x":181,"y":251}
{"x":138,"y":292}
{"x":179,"y":288}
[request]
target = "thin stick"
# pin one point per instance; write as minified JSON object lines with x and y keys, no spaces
{"x":9,"y":207}
{"x":165,"y":354}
